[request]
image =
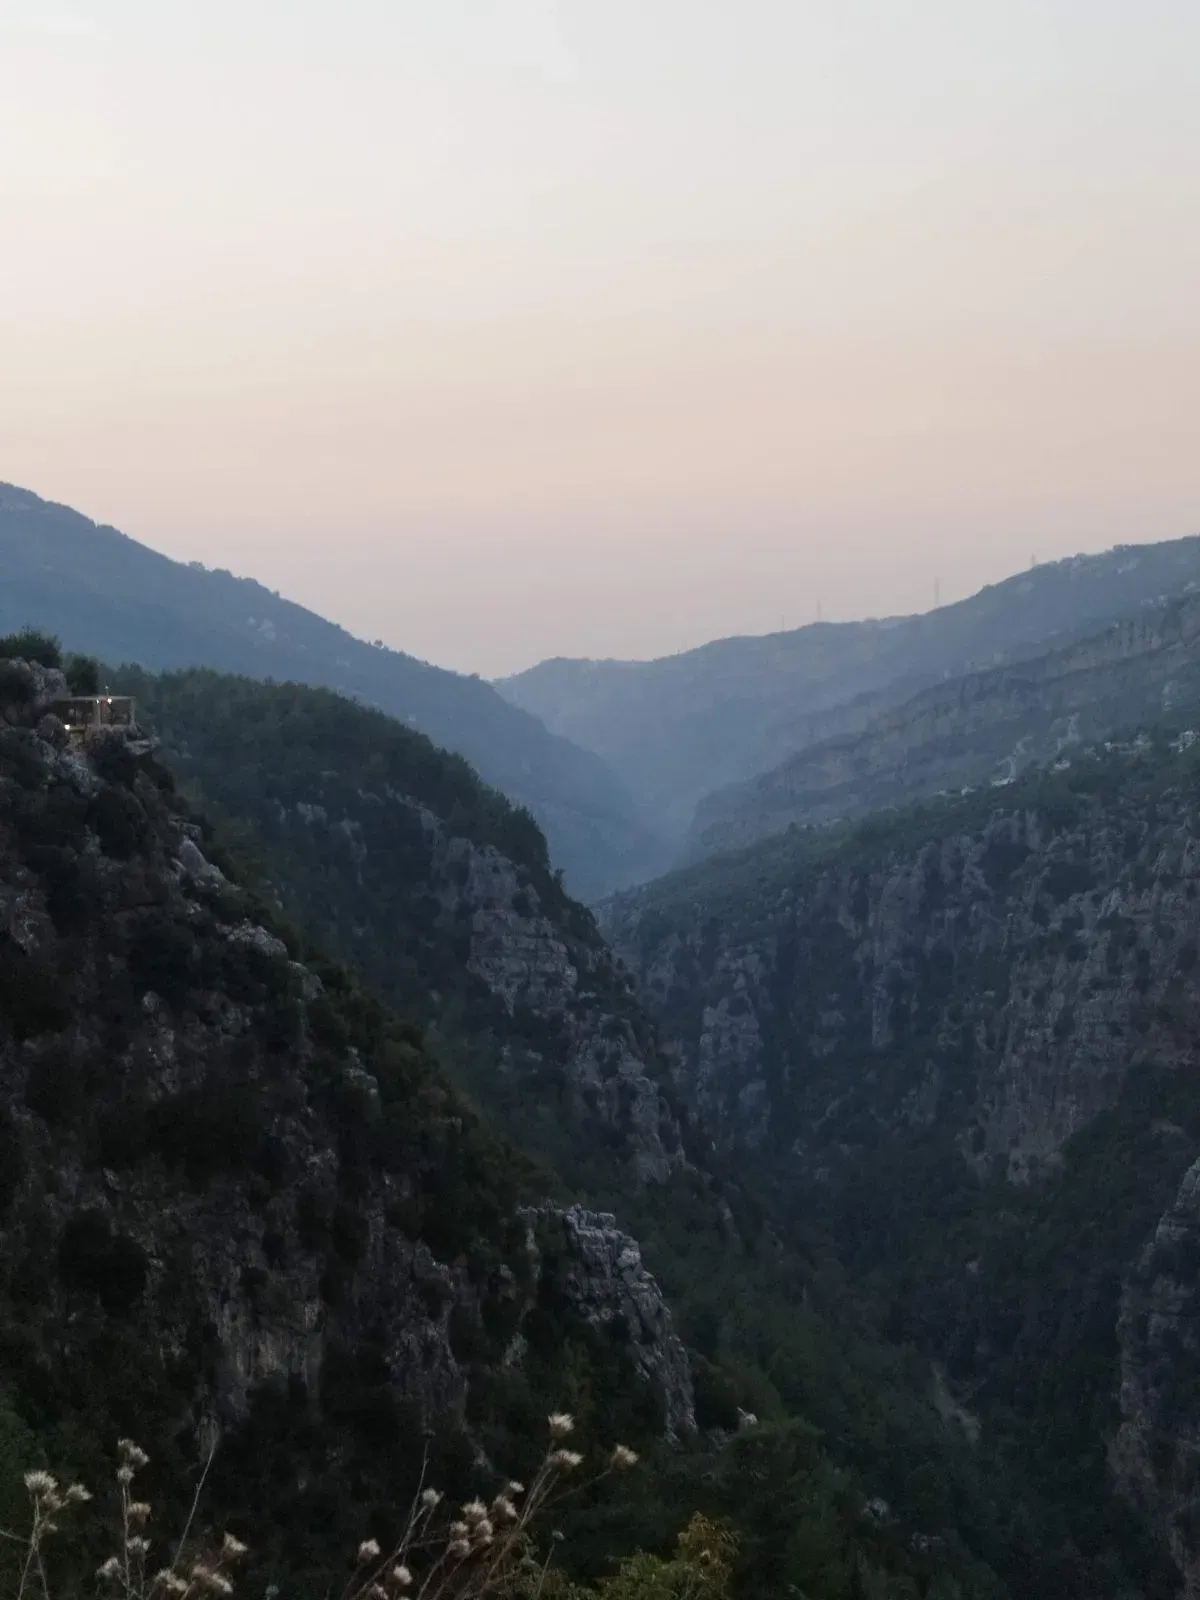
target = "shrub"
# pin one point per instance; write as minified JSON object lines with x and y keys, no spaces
{"x":83,"y":675}
{"x":30,"y":644}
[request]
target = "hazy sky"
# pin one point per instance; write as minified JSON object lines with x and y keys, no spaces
{"x":507,"y":328}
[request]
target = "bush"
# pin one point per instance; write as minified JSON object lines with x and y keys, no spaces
{"x":30,"y":644}
{"x":83,"y":675}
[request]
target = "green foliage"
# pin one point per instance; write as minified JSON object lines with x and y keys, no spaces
{"x":83,"y":675}
{"x":31,"y":644}
{"x":701,"y":1568}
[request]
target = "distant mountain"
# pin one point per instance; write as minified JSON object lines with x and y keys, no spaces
{"x":983,"y":728}
{"x":122,"y":601}
{"x":678,"y":728}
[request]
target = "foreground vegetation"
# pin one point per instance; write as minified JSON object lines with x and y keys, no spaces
{"x":440,"y":1552}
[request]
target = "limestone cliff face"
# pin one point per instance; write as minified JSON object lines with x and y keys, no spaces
{"x":225,"y":1174}
{"x":991,"y":1013}
{"x":1005,"y":982}
{"x":600,"y":1269}
{"x":573,"y":986}
{"x":1156,"y":1451}
{"x":980,"y":728}
{"x":395,"y":856}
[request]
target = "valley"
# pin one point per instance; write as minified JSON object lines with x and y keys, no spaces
{"x":846,"y":1176}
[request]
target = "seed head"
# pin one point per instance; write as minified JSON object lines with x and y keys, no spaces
{"x":566,"y":1460}
{"x":474,"y":1511}
{"x":623,"y":1458}
{"x":459,"y":1550}
{"x":40,"y":1484}
{"x":206,"y":1577}
{"x":232,"y":1548}
{"x":560,"y":1424}
{"x":401,"y":1577}
{"x":482,"y":1532}
{"x":132,"y":1454}
{"x":368,"y":1550}
{"x":170,"y":1581}
{"x":514,"y":1488}
{"x":110,"y":1569}
{"x":431,"y":1499}
{"x":139,"y":1511}
{"x":503,"y":1509}
{"x":76,"y":1495}
{"x":125,"y":1475}
{"x":137,"y":1546}
{"x":459,"y":1530}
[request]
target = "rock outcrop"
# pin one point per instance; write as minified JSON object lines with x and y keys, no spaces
{"x":571,"y":985}
{"x":600,"y":1270}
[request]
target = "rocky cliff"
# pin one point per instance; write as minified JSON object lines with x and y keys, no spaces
{"x":963,"y":1038}
{"x":1006,"y":979}
{"x":437,"y":889}
{"x":238,"y":1199}
{"x":1156,"y":1451}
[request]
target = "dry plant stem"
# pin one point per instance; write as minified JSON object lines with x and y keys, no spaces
{"x":187,"y":1527}
{"x":418,"y":1514}
{"x":31,"y":1552}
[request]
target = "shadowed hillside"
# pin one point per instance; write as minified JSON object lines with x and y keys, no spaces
{"x":121,"y":601}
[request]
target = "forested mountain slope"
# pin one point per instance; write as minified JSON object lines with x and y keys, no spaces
{"x":240,"y":1201}
{"x":981,"y":729}
{"x":117,"y":599}
{"x":406,"y":863}
{"x":964,"y":1037}
{"x":678,"y":728}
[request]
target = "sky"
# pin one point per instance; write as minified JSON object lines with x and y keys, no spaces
{"x":502,"y":329}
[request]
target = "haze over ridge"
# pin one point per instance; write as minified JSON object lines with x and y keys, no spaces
{"x":603,"y":331}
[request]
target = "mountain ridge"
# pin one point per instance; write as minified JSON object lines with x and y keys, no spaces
{"x":680,"y":727}
{"x":982,"y":728}
{"x":121,"y":601}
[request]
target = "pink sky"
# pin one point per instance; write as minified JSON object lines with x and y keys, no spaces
{"x":505,"y":328}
